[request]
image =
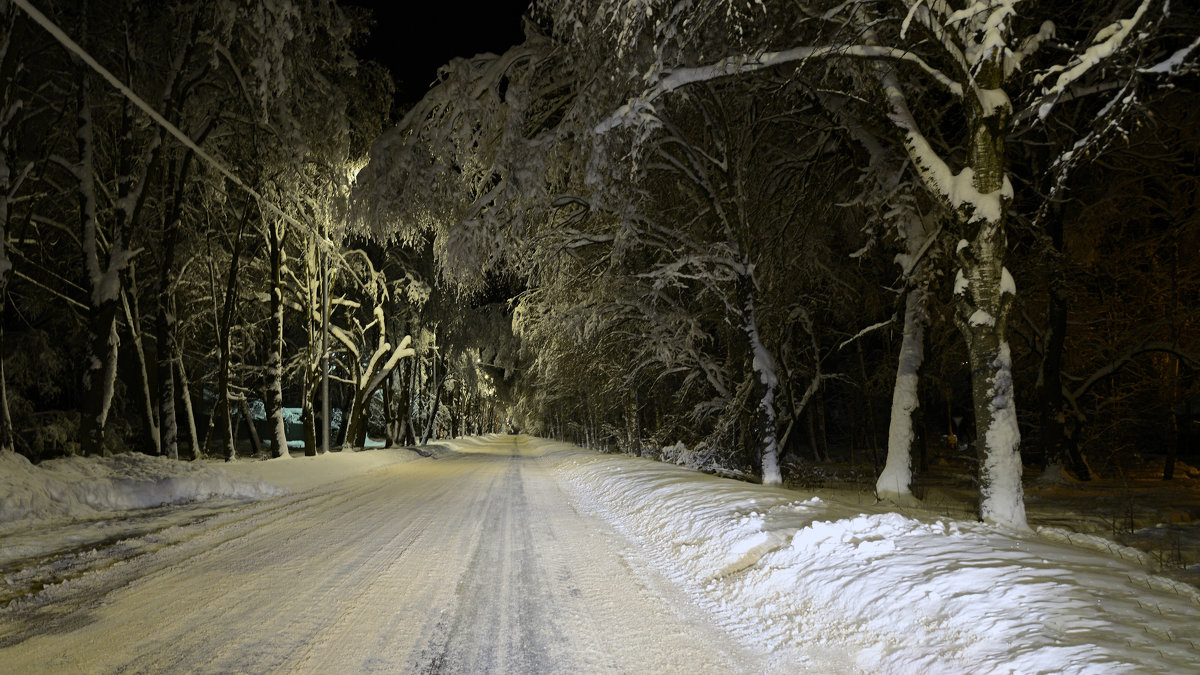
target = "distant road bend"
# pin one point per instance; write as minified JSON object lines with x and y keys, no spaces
{"x":469,"y":563}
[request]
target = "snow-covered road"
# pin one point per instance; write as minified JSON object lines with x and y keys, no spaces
{"x":473,"y":562}
{"x":522,"y":555}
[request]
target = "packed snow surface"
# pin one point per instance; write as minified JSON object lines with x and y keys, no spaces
{"x":514,"y":554}
{"x":900,"y":595}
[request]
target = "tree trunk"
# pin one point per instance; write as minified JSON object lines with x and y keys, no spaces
{"x":185,"y":395}
{"x":164,"y":328}
{"x":100,"y":362}
{"x":308,"y":417}
{"x":895,"y":483}
{"x":1059,"y":449}
{"x":872,"y":442}
{"x":437,"y":399}
{"x":99,"y":376}
{"x":149,"y":417}
{"x":389,"y":413}
{"x":984,"y":292}
{"x":222,"y":408}
{"x":356,"y":423}
{"x":399,"y":405}
{"x":413,"y":389}
{"x":279,"y":447}
{"x":1176,"y":392}
{"x":765,"y":384}
{"x":255,"y":440}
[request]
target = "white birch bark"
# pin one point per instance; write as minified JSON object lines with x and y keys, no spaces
{"x":279,"y":446}
{"x":895,"y":483}
{"x":185,"y":395}
{"x":768,"y":379}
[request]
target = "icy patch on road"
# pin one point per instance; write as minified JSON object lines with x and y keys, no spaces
{"x":78,"y":488}
{"x":902,"y":595}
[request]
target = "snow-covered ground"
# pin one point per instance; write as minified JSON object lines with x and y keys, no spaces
{"x":783,"y":570}
{"x":512,"y":552}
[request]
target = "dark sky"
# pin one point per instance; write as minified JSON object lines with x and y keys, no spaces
{"x":415,"y":37}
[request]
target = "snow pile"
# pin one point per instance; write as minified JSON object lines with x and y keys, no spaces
{"x":80,"y":487}
{"x":900,"y":594}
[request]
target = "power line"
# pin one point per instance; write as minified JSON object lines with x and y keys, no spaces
{"x":58,"y":34}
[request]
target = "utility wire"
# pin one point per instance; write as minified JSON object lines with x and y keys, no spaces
{"x":58,"y":34}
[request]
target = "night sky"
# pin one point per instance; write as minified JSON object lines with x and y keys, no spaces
{"x":415,"y":39}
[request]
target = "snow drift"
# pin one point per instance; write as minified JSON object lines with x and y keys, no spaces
{"x":79,"y":488}
{"x":900,"y":594}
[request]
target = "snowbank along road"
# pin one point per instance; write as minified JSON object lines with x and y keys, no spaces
{"x":468,"y":562}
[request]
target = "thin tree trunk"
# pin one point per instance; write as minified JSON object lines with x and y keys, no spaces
{"x":308,"y":419}
{"x":414,"y":389}
{"x":389,"y":415}
{"x":822,"y":427}
{"x":402,"y":403}
{"x":100,"y":365}
{"x":279,"y":447}
{"x":222,"y":408}
{"x":1058,"y":445}
{"x":165,"y":334}
{"x":149,"y":418}
{"x":895,"y":483}
{"x":871,"y":439}
{"x":186,"y":396}
{"x":766,"y":383}
{"x":437,"y":399}
{"x":99,"y":376}
{"x":255,"y":439}
{"x":1176,"y":392}
{"x":812,"y":433}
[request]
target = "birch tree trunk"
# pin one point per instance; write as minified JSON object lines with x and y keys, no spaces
{"x":279,"y":447}
{"x":895,"y":482}
{"x":167,"y":347}
{"x":984,"y":293}
{"x":100,"y":365}
{"x":185,"y":394}
{"x":766,"y":382}
{"x":165,"y":331}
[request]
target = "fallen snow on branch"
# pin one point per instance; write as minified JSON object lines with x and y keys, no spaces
{"x":900,"y":594}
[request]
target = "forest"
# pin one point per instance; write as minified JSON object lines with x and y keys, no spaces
{"x":771,"y":240}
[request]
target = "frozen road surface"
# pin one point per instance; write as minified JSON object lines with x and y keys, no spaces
{"x":472,"y":562}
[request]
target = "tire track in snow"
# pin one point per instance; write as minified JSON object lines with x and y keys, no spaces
{"x":472,"y":562}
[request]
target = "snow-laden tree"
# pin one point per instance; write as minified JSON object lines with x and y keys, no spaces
{"x":475,"y":164}
{"x":662,"y":265}
{"x":368,"y":363}
{"x":918,"y":231}
{"x":980,"y":58}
